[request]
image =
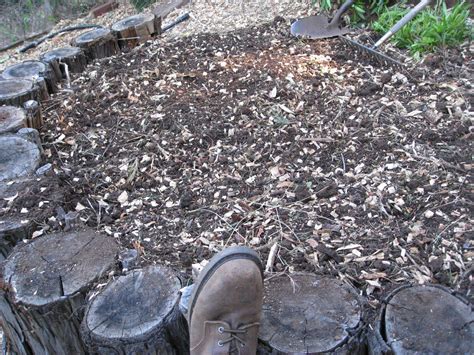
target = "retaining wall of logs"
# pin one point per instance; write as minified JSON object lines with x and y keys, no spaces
{"x":52,"y":298}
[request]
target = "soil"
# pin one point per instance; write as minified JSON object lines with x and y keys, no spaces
{"x":181,"y":148}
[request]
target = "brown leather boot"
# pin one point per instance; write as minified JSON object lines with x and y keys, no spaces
{"x":226,"y":304}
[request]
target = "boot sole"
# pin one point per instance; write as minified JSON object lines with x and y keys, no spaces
{"x":228,"y":254}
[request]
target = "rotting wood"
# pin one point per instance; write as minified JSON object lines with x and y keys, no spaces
{"x":97,"y":44}
{"x":18,"y":157}
{"x":12,"y":119}
{"x":32,"y":69}
{"x":303,"y":313}
{"x":44,"y":290}
{"x":15,"y":92}
{"x":73,"y":57}
{"x":34,"y":114}
{"x":424,"y":319}
{"x":136,"y":29}
{"x":137,"y":314}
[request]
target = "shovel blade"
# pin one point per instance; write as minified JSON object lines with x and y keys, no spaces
{"x":316,"y":27}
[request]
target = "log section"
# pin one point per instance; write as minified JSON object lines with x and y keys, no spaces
{"x":44,"y":290}
{"x":12,"y":119}
{"x":18,"y":157}
{"x":34,"y":114}
{"x":137,"y":314}
{"x":304,"y":314}
{"x":136,"y":29}
{"x":15,"y":92}
{"x":32,"y":69}
{"x":73,"y":57}
{"x":427,"y":320}
{"x":97,"y":44}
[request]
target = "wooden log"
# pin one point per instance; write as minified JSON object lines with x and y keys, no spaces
{"x":305,"y":314}
{"x":44,"y":290}
{"x":136,"y":29}
{"x":15,"y":92}
{"x":137,"y":314}
{"x":427,"y":319}
{"x":12,"y":119}
{"x":32,"y":69}
{"x":18,"y":157}
{"x":97,"y":44}
{"x":164,"y":8}
{"x":34,"y":114}
{"x":73,"y":57}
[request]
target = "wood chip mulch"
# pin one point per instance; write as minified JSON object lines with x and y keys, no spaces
{"x":181,"y":148}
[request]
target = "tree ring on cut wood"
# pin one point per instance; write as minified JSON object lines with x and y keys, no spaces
{"x":32,"y":69}
{"x":73,"y":57}
{"x":45,"y":283}
{"x":12,"y":119}
{"x":303,"y":313}
{"x":15,"y":92}
{"x":427,"y":320}
{"x":136,"y":314}
{"x":136,"y":29}
{"x":98,"y":43}
{"x":18,"y":157}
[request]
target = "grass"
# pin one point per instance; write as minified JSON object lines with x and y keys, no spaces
{"x":433,"y":28}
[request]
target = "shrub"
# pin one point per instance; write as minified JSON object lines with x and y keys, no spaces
{"x":141,"y":4}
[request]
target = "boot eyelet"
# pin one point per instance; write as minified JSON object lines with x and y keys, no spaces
{"x":220,"y":330}
{"x":220,"y":343}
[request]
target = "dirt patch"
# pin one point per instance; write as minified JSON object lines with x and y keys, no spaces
{"x":181,"y":148}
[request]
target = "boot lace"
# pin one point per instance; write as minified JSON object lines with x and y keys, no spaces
{"x":234,"y":338}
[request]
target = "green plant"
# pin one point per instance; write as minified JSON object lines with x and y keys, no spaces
{"x":361,"y":11}
{"x":437,"y":27}
{"x":141,"y":4}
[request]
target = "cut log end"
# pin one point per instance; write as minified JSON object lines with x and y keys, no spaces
{"x":137,"y":313}
{"x":98,"y":43}
{"x":307,"y":314}
{"x":16,"y":92}
{"x":45,"y":286}
{"x":136,"y":29}
{"x":73,"y":57}
{"x":428,"y":320}
{"x":18,"y":157}
{"x":12,"y":119}
{"x":32,"y":69}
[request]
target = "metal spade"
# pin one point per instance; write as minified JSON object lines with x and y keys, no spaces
{"x":320,"y":26}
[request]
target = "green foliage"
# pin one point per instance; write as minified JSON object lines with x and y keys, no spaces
{"x":432,"y":28}
{"x":141,"y":4}
{"x":361,"y":11}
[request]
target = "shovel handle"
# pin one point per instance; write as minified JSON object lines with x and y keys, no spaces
{"x":344,"y":7}
{"x":402,"y":22}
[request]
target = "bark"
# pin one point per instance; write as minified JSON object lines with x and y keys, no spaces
{"x":16,"y":92}
{"x":44,"y":290}
{"x":137,"y":314}
{"x":73,"y":57}
{"x":18,"y":157}
{"x":13,"y":231}
{"x":32,"y":69}
{"x":306,"y":314}
{"x":12,"y":119}
{"x":424,"y":320}
{"x":33,"y":114}
{"x":97,"y":44}
{"x":136,"y":29}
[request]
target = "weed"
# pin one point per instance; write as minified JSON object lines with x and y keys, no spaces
{"x":433,"y":28}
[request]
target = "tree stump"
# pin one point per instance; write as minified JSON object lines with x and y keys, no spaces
{"x":425,"y":320}
{"x":18,"y":157}
{"x":12,"y":119}
{"x":32,"y":69}
{"x":137,"y":314}
{"x":73,"y":57}
{"x":45,"y":284}
{"x":136,"y":29}
{"x":97,"y":44}
{"x":305,"y":314}
{"x":34,"y":115}
{"x":15,"y":92}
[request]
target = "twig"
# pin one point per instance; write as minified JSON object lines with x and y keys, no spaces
{"x":271,"y":257}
